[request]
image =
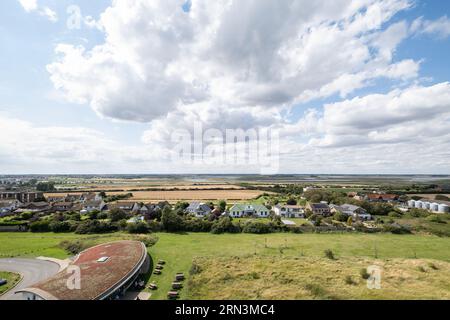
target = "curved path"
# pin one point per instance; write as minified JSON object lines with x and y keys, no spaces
{"x":31,"y":270}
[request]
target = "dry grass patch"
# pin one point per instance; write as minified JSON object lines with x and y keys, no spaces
{"x":254,"y":278}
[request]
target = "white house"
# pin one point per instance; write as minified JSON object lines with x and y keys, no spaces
{"x":248,"y":210}
{"x":287,"y":211}
{"x":9,"y":206}
{"x":90,"y":206}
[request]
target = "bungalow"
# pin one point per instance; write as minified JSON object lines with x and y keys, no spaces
{"x":89,"y":206}
{"x":35,"y":207}
{"x":91,"y":196}
{"x":319,"y":208}
{"x":198,"y":209}
{"x":125,"y":206}
{"x":249,"y":210}
{"x":288,"y":211}
{"x":351,"y":211}
{"x":62,"y":206}
{"x":375,"y":197}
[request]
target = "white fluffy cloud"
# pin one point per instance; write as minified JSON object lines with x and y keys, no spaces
{"x":33,"y":6}
{"x":439,"y":27}
{"x":158,"y":59}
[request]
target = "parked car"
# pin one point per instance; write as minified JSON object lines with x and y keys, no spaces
{"x":3,"y":282}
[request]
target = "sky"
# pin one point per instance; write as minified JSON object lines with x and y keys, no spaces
{"x":349,"y":87}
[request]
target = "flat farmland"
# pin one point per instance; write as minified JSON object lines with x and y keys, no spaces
{"x":175,"y":195}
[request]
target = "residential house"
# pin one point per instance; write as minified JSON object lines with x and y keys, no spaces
{"x":130,"y":207}
{"x":7,"y":207}
{"x":24,"y":197}
{"x":288,"y":211}
{"x":35,"y":207}
{"x":198,"y":209}
{"x":319,"y":208}
{"x":249,"y":210}
{"x":56,"y":198}
{"x":351,"y":211}
{"x":376,"y":197}
{"x":91,"y":196}
{"x":89,"y":206}
{"x":62,"y":206}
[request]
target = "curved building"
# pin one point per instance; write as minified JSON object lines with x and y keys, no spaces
{"x":102,"y":272}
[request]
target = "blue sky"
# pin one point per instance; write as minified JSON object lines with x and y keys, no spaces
{"x":134,"y":116}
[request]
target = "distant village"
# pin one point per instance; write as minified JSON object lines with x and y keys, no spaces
{"x":37,"y":204}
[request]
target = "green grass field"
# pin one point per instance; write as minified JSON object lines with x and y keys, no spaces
{"x":180,"y":250}
{"x":12,"y":278}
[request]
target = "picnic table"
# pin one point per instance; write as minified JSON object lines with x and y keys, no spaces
{"x":172,"y":294}
{"x":153,"y":286}
{"x":177,"y":285}
{"x":161,"y":262}
{"x":157,"y":272}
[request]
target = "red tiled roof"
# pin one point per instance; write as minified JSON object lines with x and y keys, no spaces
{"x":97,"y":278}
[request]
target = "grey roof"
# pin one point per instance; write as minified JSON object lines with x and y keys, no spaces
{"x":245,"y":207}
{"x":319,"y":206}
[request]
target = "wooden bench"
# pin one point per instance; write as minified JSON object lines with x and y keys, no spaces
{"x":177,"y":285}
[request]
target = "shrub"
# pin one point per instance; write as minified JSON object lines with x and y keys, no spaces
{"x":441,"y":197}
{"x":395,"y":228}
{"x":59,"y":227}
{"x":364,"y":274}
{"x":148,"y":240}
{"x":418,"y":213}
{"x":138,"y":228}
{"x":195,"y":269}
{"x":74,"y":247}
{"x":223,"y":225}
{"x":95,"y":226}
{"x":436,"y":218}
{"x":40,"y":226}
{"x":329,"y":254}
{"x":117,"y":215}
{"x":339,"y":216}
{"x":171,"y":221}
{"x":349,"y":280}
{"x":197,"y":225}
{"x":257,"y":227}
{"x":394,"y":214}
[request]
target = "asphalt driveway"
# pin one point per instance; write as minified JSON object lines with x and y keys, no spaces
{"x":32,"y":271}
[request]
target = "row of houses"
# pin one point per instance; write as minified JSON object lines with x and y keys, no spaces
{"x":439,"y":207}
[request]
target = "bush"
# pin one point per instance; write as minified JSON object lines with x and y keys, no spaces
{"x":223,"y":225}
{"x":74,"y":247}
{"x":95,"y":226}
{"x":197,"y":225}
{"x":256,"y":227}
{"x":171,"y":221}
{"x":418,"y":213}
{"x":441,"y":197}
{"x":148,"y":240}
{"x":436,"y":219}
{"x":395,"y":228}
{"x":138,"y":228}
{"x":349,"y":280}
{"x":117,"y":215}
{"x":394,"y":214}
{"x":339,"y":216}
{"x":364,"y":274}
{"x":59,"y":227}
{"x":329,"y":254}
{"x":40,"y":226}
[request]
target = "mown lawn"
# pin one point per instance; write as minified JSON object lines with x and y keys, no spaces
{"x":179,"y":250}
{"x":12,"y":278}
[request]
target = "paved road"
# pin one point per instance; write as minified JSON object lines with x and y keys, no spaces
{"x":32,"y":271}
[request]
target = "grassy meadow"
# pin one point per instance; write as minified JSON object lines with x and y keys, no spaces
{"x":12,"y":278}
{"x":180,"y":250}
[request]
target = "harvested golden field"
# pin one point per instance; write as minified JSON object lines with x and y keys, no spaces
{"x":428,"y":196}
{"x":305,"y":278}
{"x":167,"y":187}
{"x":184,"y":195}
